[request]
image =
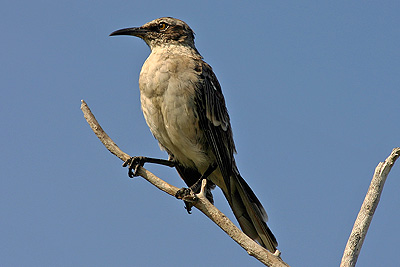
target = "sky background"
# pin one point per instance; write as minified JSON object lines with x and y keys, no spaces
{"x":313,"y":91}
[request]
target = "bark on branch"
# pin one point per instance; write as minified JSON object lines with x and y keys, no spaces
{"x":202,"y":203}
{"x":367,"y":210}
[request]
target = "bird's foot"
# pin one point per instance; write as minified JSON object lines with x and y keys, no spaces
{"x":202,"y":188}
{"x":188,"y":196}
{"x":134,"y":164}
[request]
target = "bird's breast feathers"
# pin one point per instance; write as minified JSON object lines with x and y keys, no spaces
{"x":167,"y":90}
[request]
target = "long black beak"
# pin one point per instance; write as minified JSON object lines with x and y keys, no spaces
{"x":136,"y":31}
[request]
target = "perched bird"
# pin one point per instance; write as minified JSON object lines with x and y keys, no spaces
{"x":184,"y":107}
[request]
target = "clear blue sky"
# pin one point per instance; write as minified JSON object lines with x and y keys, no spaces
{"x":313,"y":91}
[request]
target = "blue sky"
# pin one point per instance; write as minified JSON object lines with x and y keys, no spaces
{"x":313,"y":93}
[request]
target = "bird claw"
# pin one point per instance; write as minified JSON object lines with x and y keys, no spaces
{"x":188,"y":197}
{"x":134,"y":164}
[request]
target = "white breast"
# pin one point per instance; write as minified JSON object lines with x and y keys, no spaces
{"x":167,"y":86}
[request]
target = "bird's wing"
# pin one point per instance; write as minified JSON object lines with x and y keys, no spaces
{"x":214,"y":120}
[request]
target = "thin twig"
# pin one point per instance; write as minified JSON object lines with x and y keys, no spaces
{"x":202,"y":203}
{"x":367,"y":210}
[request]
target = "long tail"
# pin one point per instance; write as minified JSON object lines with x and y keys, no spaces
{"x":245,"y":205}
{"x":250,"y":213}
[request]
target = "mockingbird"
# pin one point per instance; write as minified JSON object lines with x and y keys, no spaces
{"x":184,"y":107}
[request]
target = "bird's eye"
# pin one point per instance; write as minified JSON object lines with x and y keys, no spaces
{"x":162,"y":26}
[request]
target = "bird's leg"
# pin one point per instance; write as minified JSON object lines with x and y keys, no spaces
{"x":136,"y":162}
{"x":188,"y":194}
{"x":196,"y":186}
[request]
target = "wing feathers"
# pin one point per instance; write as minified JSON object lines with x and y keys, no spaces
{"x":215,"y":122}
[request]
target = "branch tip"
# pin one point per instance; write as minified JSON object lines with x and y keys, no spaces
{"x":367,"y":210}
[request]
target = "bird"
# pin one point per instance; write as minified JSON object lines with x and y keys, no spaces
{"x":185,"y":109}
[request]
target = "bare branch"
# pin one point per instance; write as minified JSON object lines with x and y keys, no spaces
{"x":252,"y":248}
{"x":367,"y":210}
{"x":202,"y":202}
{"x":104,"y":138}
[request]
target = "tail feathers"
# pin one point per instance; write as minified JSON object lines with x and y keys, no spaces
{"x":245,"y":205}
{"x":250,"y":213}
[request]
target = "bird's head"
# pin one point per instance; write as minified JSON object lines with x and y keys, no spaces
{"x":162,"y":31}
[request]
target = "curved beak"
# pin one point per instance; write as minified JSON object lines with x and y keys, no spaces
{"x":135,"y":31}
